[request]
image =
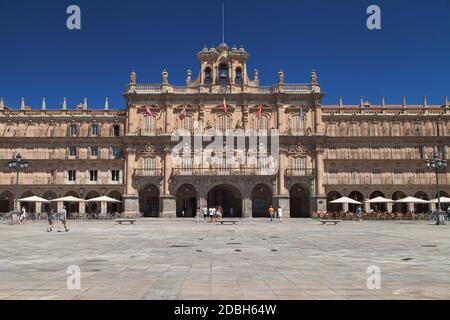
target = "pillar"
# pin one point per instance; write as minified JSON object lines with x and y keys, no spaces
{"x":319,"y":200}
{"x":345,"y":207}
{"x":130,"y":199}
{"x":317,"y":118}
{"x":433,"y":207}
{"x":410,"y":207}
{"x":38,"y":208}
{"x":247,"y":206}
{"x":366,"y":206}
{"x":103,"y":208}
{"x":389,"y":207}
{"x":168,"y":201}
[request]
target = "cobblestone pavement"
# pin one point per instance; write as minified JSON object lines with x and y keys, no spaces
{"x":181,"y":259}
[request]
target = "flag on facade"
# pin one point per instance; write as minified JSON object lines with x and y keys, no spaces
{"x":225,"y":106}
{"x":259,"y":113}
{"x":182,"y":114}
{"x":148,"y":111}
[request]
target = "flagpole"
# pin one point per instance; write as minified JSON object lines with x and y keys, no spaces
{"x":223,"y":22}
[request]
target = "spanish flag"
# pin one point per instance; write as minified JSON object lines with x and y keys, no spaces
{"x":259,"y":113}
{"x":225,"y":106}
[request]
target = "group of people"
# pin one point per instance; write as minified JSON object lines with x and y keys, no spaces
{"x":211,"y":214}
{"x":273,"y":214}
{"x":61,"y":216}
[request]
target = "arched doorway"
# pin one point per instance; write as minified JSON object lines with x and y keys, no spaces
{"x":91,"y":207}
{"x":333,"y":207}
{"x":149,"y":201}
{"x":186,"y":201}
{"x":299,"y":201}
{"x":355,"y":195}
{"x":421,"y":207}
{"x":6,"y":201}
{"x":261,"y":200}
{"x":378,"y":207}
{"x":399,"y":207}
{"x":46,"y":207}
{"x":116,"y":206}
{"x":227,"y":197}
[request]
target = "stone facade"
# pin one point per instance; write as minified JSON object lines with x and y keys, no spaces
{"x":324,"y":152}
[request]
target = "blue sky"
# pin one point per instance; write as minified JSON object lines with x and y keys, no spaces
{"x":39,"y":56}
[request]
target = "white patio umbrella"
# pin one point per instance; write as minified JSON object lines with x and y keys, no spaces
{"x":442,"y":200}
{"x":103,"y":200}
{"x":345,"y":201}
{"x":68,"y":199}
{"x":34,"y":199}
{"x":411,"y":201}
{"x":380,"y":200}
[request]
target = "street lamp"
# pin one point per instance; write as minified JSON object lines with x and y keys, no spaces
{"x":437,"y":165}
{"x":17,"y":164}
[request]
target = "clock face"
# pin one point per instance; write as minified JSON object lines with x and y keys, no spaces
{"x":223,"y":89}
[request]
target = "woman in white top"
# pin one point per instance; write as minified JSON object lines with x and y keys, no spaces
{"x":280,"y":213}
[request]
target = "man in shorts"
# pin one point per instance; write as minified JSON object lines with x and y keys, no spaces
{"x":62,"y":216}
{"x":50,"y":217}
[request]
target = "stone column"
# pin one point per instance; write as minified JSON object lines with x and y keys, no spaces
{"x":281,"y":199}
{"x":345,"y":207}
{"x":366,"y":206}
{"x":319,"y":201}
{"x":168,"y":201}
{"x":82,"y":207}
{"x":247,"y":206}
{"x":432,"y":206}
{"x":131,"y":201}
{"x":389,"y":207}
{"x":167,"y":119}
{"x":38,"y":208}
{"x":410,"y":207}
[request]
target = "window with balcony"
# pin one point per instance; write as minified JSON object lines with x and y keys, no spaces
{"x":331,"y":129}
{"x":73,"y":151}
{"x":262,"y":123}
{"x":354,"y":177}
{"x":398,"y":177}
{"x":149,"y":126}
{"x":354,"y":129}
{"x":73,"y":130}
{"x":93,"y":175}
{"x":115,"y":175}
{"x":187,"y":123}
{"x":95,"y":130}
{"x":299,"y":166}
{"x":94,"y":151}
{"x":72,"y":175}
{"x":376,"y":176}
{"x":116,"y":130}
{"x":297,"y":124}
{"x":223,"y":123}
{"x":116,"y":152}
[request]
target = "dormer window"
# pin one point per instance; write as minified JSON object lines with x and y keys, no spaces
{"x":208,"y":75}
{"x":223,"y":73}
{"x":238,"y":78}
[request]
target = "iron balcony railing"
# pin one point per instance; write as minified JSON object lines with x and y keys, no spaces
{"x":243,"y":171}
{"x":148,"y":172}
{"x":300,"y":172}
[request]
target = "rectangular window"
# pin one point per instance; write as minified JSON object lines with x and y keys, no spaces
{"x":297,"y":124}
{"x":94,"y":130}
{"x":116,"y":152}
{"x":332,"y":129}
{"x":93,"y":175}
{"x":397,"y":177}
{"x":440,"y":151}
{"x":115,"y":175}
{"x":72,"y":175}
{"x":421,"y":153}
{"x":94,"y":151}
{"x":376,"y":176}
{"x":73,"y":151}
{"x":116,"y":130}
{"x":73,"y":130}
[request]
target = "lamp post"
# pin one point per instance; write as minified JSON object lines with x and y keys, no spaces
{"x":17,"y":164}
{"x":436,"y":164}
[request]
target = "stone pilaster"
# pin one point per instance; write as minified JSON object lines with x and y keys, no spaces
{"x":131,"y":201}
{"x":247,"y":207}
{"x":283,"y":201}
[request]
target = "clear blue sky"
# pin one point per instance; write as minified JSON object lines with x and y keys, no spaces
{"x":40,"y":57}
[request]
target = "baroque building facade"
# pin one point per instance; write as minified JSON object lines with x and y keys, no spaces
{"x":323,"y":152}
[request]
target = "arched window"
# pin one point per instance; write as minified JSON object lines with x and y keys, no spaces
{"x":208,"y":75}
{"x":223,"y":73}
{"x":238,"y":77}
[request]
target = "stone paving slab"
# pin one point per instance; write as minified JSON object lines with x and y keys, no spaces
{"x":182,"y":259}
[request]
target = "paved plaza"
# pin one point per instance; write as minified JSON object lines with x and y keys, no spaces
{"x":181,"y":259}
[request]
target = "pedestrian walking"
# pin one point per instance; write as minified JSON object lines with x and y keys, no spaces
{"x":62,"y":216}
{"x":205,"y":213}
{"x":50,"y":217}
{"x":280,"y":213}
{"x":358,"y":213}
{"x":197,"y":214}
{"x":211,"y":214}
{"x":23,"y":216}
{"x":271,"y":213}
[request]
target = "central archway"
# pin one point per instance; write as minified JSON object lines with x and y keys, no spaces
{"x":186,"y":201}
{"x":261,"y":201}
{"x":299,"y":201}
{"x":227,"y":197}
{"x":149,"y":201}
